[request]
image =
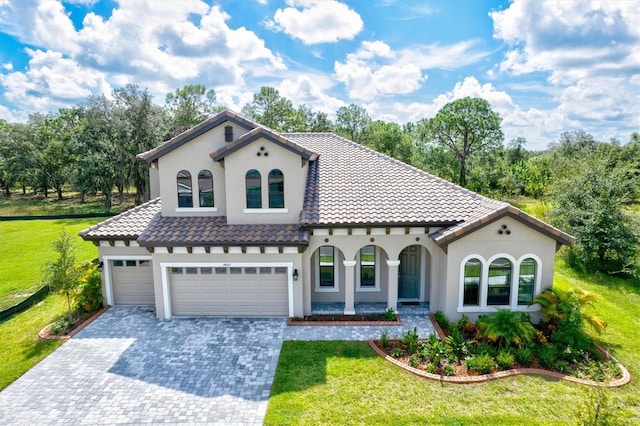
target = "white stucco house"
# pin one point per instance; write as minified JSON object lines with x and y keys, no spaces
{"x":246,"y":221}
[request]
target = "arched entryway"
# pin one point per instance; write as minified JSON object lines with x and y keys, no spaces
{"x":412,"y":274}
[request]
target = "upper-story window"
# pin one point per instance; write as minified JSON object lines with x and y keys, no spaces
{"x":254,"y":189}
{"x":276,"y":189}
{"x":205,"y":188}
{"x":185,"y":189}
{"x":228,"y":133}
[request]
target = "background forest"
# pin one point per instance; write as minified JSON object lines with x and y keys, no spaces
{"x":586,"y":187}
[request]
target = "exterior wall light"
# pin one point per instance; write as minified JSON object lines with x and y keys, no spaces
{"x":295,"y":275}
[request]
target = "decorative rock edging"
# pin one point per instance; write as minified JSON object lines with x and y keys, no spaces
{"x":293,"y":322}
{"x":626,"y":376}
{"x":45,"y":336}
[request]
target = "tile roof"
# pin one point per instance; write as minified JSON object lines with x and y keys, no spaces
{"x":350,"y":184}
{"x":194,"y":132}
{"x":125,"y":226}
{"x":214,"y":231}
{"x":258,"y":133}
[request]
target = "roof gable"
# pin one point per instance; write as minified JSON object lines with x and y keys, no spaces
{"x":263,"y":133}
{"x":194,"y":132}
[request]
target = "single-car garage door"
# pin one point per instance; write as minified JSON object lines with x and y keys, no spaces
{"x":229,"y":291}
{"x":132,"y":282}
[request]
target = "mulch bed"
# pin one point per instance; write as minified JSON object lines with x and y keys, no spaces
{"x":79,"y":324}
{"x":363,"y":320}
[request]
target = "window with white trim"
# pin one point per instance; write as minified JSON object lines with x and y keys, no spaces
{"x":185,"y":189}
{"x":276,"y":189}
{"x":471,"y":286}
{"x":499,"y":282}
{"x":368,"y":267}
{"x":326,"y":266}
{"x":526,"y":281}
{"x":253,"y":182}
{"x":205,"y":188}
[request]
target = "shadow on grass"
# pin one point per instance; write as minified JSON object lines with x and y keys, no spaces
{"x":303,"y":364}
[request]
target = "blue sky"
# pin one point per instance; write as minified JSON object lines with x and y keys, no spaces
{"x":545,"y":66}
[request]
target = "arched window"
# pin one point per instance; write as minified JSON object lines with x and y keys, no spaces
{"x":499,"y":288}
{"x":527,"y":281}
{"x":205,"y":188}
{"x":254,"y":189}
{"x":276,"y":189}
{"x":472,"y":274}
{"x":368,"y":266}
{"x":185,"y":191}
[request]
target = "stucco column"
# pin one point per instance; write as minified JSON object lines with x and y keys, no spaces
{"x":392,"y":287}
{"x":349,"y":287}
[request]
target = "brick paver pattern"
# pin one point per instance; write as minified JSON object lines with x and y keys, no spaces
{"x":129,"y":367}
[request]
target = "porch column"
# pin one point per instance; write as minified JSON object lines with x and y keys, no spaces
{"x":349,"y":287}
{"x":392,"y":287}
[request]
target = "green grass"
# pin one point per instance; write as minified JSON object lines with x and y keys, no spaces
{"x":21,"y":347}
{"x":35,"y":205}
{"x":346,"y":383}
{"x":26,"y":247}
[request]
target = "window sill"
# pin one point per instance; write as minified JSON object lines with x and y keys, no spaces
{"x":367,"y":289}
{"x":196,"y":209}
{"x":327,"y":289}
{"x":266,"y":211}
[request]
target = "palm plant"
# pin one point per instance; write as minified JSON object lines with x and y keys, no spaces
{"x":558,"y":306}
{"x":507,"y":328}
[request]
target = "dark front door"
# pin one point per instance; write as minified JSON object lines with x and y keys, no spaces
{"x":409,"y":273}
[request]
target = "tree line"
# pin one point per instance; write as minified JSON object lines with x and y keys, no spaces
{"x":90,"y":148}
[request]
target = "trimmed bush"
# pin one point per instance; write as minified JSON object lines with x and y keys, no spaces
{"x":505,"y":360}
{"x":481,"y":363}
{"x":547,"y":355}
{"x":524,"y":356}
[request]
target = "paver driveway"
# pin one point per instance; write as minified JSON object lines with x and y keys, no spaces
{"x":129,"y":367}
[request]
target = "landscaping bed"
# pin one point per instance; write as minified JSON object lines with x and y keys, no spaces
{"x":389,"y":317}
{"x":501,"y":345}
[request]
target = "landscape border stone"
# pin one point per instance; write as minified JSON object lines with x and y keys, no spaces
{"x":45,"y":336}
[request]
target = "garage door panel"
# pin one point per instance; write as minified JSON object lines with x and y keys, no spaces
{"x":230,"y":292}
{"x":132,"y":282}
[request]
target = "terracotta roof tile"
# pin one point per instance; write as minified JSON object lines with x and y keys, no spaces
{"x":214,"y":231}
{"x":125,"y":226}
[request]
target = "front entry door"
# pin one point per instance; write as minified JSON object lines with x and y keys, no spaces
{"x":409,"y":273}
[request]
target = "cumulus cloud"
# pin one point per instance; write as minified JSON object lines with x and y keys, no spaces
{"x":317,"y":21}
{"x":311,"y":90}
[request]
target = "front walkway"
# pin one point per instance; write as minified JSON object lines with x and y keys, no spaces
{"x":129,"y":367}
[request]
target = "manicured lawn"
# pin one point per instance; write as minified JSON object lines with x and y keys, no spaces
{"x":26,"y":247}
{"x":346,"y":383}
{"x":21,"y":347}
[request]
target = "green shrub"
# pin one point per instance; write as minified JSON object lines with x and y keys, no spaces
{"x":547,"y":355}
{"x":562,"y":366}
{"x":480,"y":363}
{"x":390,"y":315}
{"x":524,"y":356}
{"x":384,"y":339}
{"x":442,"y":321}
{"x":462,"y":323}
{"x":449,"y":370}
{"x":432,"y":368}
{"x":483,"y":349}
{"x":571,"y":341}
{"x":397,"y":352}
{"x":505,"y":360}
{"x":411,"y":339}
{"x":456,"y":344}
{"x":506,"y":328}
{"x":414,"y":360}
{"x":87,"y":296}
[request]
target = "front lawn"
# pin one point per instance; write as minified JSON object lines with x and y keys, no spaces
{"x":21,"y":347}
{"x":346,"y":383}
{"x":26,"y":247}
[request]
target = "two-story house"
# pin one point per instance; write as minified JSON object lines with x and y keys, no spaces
{"x":249,"y":222}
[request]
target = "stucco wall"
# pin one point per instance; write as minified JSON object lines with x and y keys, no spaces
{"x":194,"y":157}
{"x":487,"y":243}
{"x":238,"y":163}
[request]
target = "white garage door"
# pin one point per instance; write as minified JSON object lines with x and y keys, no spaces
{"x":229,"y":291}
{"x":132,"y":282}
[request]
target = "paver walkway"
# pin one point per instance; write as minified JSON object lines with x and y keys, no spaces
{"x":129,"y":367}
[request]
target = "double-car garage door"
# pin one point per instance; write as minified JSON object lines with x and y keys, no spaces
{"x":230,"y":291}
{"x":205,"y":290}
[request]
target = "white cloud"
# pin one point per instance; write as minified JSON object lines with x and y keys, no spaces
{"x":376,"y":70}
{"x":51,"y":81}
{"x":317,"y":21}
{"x":311,"y":90}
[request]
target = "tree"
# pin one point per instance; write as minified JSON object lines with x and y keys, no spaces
{"x":465,"y":127}
{"x":589,"y":199}
{"x":353,"y":122}
{"x":62,"y":275}
{"x":272,"y":110}
{"x":187,"y":107}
